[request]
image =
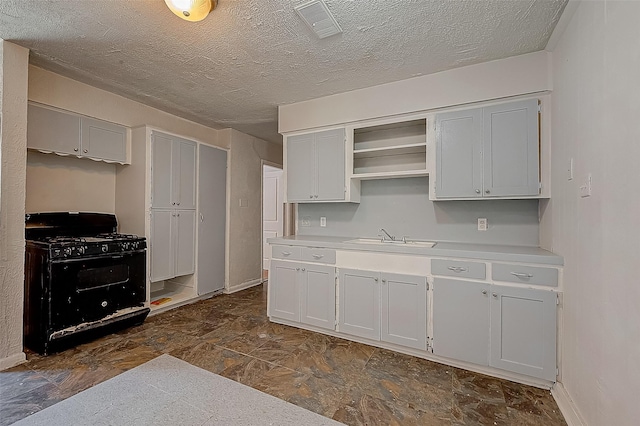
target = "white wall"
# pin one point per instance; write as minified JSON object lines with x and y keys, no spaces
{"x":14,"y":62}
{"x":245,"y":222}
{"x":518,"y":75}
{"x":596,"y":110}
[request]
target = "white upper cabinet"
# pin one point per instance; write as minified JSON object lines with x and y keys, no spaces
{"x":173,"y":172}
{"x":488,"y":152}
{"x":65,"y":133}
{"x":315,"y":168}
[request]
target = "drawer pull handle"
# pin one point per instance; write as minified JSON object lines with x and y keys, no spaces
{"x":495,"y":295}
{"x":286,"y":253}
{"x":522,"y":275}
{"x":457,"y":269}
{"x":484,"y":291}
{"x":318,"y":256}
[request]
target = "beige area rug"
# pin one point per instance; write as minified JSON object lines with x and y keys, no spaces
{"x":169,"y":391}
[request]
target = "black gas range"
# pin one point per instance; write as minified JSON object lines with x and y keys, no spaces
{"x":82,"y":279}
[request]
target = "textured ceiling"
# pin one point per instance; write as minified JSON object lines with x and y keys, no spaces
{"x":234,"y":68}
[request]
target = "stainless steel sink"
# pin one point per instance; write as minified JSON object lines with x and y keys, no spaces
{"x":378,"y":241}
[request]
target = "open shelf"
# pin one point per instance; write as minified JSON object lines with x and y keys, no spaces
{"x":176,"y":291}
{"x":390,"y":150}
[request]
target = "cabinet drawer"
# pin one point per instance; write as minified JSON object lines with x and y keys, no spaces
{"x":525,"y":274}
{"x":285,"y":252}
{"x":455,"y":268}
{"x":310,"y":254}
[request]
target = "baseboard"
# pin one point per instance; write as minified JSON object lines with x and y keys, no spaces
{"x":566,"y":405}
{"x":12,"y":361}
{"x":243,"y":286}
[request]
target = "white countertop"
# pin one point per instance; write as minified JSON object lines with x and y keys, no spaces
{"x":497,"y":252}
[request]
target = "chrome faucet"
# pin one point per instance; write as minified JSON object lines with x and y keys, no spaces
{"x":386,"y":234}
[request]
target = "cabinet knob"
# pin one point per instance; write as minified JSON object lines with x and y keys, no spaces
{"x":178,"y":203}
{"x":316,"y":196}
{"x":375,"y":279}
{"x":477,"y":191}
{"x":173,"y":204}
{"x":484,"y":291}
{"x":494,"y":295}
{"x":310,"y":196}
{"x":85,"y":151}
{"x":303,"y":269}
{"x":384,"y":281}
{"x":297,"y":269}
{"x":178,"y":215}
{"x":487,"y":191}
{"x":75,"y":149}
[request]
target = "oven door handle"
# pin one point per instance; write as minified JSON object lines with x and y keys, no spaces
{"x":81,"y":290}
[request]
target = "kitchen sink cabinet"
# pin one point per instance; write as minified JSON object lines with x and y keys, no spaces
{"x":384,"y":306}
{"x":315,"y":167}
{"x":173,"y":172}
{"x":65,"y":133}
{"x":509,"y":328}
{"x":488,"y":152}
{"x":360,"y":303}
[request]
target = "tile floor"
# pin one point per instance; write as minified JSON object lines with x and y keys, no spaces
{"x":230,"y":335}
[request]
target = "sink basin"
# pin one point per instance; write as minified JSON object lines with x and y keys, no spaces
{"x":377,"y":241}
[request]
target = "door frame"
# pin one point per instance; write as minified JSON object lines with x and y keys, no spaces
{"x":277,"y":166}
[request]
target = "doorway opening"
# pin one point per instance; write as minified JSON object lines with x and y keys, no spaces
{"x":272,"y":210}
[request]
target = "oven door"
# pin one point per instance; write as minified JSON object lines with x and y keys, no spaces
{"x":89,"y":289}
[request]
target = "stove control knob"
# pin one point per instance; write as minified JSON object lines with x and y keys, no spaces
{"x":105,"y":248}
{"x":125,"y":246}
{"x":67,"y":251}
{"x":81,"y":249}
{"x":134,"y":245}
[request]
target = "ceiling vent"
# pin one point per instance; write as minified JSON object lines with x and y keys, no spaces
{"x":317,"y":16}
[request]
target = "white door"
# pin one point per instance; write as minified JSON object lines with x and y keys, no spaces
{"x":161,"y":245}
{"x":272,"y":209}
{"x":185,"y":237}
{"x":212,"y":196}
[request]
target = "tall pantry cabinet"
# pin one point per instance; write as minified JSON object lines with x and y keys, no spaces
{"x":160,"y":195}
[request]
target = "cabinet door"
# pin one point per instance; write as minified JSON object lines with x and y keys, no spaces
{"x":284,"y":299}
{"x":330,"y":158}
{"x":461,"y":320}
{"x":318,"y":297}
{"x":360,"y":303}
{"x":185,"y":241}
{"x":511,"y":149}
{"x":212,"y":184}
{"x":523,"y":331}
{"x":184,"y":173}
{"x":104,"y":140}
{"x":161,"y":171}
{"x":51,"y":130}
{"x":300,"y":168}
{"x":459,"y":156}
{"x":161,"y":245}
{"x":404,"y":310}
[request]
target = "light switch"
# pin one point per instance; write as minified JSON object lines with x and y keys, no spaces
{"x":585,"y":189}
{"x":306,"y":220}
{"x":323,"y":222}
{"x":570,"y":170}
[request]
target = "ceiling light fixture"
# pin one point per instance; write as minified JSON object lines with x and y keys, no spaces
{"x":191,"y":10}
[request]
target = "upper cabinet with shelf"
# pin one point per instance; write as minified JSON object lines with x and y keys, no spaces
{"x":65,"y":133}
{"x":315,"y":168}
{"x":389,"y":150}
{"x":490,"y":152}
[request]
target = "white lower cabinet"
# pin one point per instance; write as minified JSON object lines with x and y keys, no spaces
{"x":510,"y":328}
{"x":303,"y":292}
{"x":172,"y":243}
{"x":383,"y":306}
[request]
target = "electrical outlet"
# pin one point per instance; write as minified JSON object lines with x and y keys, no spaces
{"x":323,"y":222}
{"x":482,"y":224}
{"x":306,"y":220}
